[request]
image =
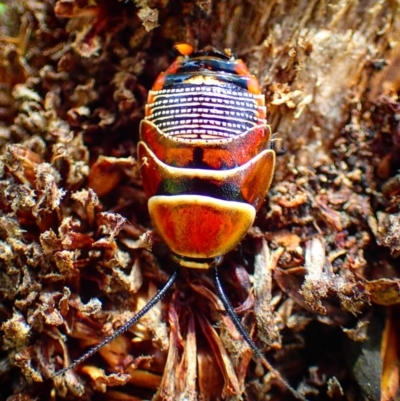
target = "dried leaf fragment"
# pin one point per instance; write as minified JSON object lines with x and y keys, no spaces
{"x":264,"y":264}
{"x":16,"y":331}
{"x":149,"y":16}
{"x":106,"y":173}
{"x":392,"y":237}
{"x":384,"y":291}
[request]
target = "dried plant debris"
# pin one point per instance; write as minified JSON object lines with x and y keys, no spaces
{"x":313,"y":280}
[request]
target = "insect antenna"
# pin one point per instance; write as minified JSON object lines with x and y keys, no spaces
{"x":159,"y":295}
{"x":240,"y":328}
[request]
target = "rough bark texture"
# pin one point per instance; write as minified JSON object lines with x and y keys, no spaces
{"x":316,"y":281}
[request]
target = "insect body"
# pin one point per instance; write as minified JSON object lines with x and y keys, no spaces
{"x":206,"y":165}
{"x":205,"y":153}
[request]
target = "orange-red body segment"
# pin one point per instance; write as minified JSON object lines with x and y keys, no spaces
{"x":226,"y":154}
{"x":240,"y":184}
{"x":207,"y":227}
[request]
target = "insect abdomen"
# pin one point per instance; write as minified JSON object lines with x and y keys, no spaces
{"x":203,"y":112}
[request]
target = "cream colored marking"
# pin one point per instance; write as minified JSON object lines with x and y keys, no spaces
{"x":196,"y":91}
{"x":232,"y":106}
{"x":145,"y":162}
{"x":196,"y":125}
{"x":215,"y":175}
{"x":191,"y":263}
{"x":220,"y":140}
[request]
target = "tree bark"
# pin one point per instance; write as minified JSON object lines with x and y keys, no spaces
{"x":320,"y":267}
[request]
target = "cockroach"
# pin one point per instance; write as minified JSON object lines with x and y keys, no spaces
{"x":206,"y":164}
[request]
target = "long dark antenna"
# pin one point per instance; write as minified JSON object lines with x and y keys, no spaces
{"x":159,"y":295}
{"x":240,"y":328}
